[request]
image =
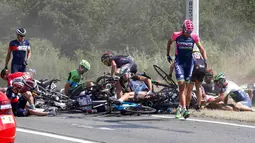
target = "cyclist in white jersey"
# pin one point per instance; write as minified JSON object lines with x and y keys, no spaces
{"x":231,"y":91}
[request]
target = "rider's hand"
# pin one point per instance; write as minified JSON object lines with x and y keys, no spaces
{"x":26,"y":62}
{"x":206,"y":63}
{"x":169,"y":59}
{"x":150,"y":93}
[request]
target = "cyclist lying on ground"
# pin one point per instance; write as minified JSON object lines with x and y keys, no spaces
{"x":119,"y":64}
{"x":21,"y":83}
{"x":73,"y":86}
{"x":5,"y":75}
{"x":140,"y":87}
{"x":231,"y":93}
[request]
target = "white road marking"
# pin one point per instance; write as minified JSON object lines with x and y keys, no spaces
{"x":207,"y":121}
{"x":103,"y":128}
{"x":82,"y":126}
{"x":90,"y":127}
{"x":71,"y":139}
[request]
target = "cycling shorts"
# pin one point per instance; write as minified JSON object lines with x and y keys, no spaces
{"x":183,"y":70}
{"x":18,"y":68}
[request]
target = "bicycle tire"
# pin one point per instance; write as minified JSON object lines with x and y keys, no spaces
{"x":165,"y":76}
{"x":104,"y":77}
{"x":140,"y":109}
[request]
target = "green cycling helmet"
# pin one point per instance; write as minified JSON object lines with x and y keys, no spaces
{"x":85,"y":64}
{"x":220,"y":77}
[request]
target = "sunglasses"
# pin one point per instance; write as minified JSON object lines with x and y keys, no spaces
{"x":83,"y":68}
{"x":20,"y":35}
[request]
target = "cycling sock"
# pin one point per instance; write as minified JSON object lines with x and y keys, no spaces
{"x":120,"y":100}
{"x":32,"y":106}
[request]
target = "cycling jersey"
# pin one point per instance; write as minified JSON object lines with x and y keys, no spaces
{"x":74,"y":81}
{"x":74,"y":78}
{"x":137,"y":86}
{"x":199,"y":68}
{"x":236,"y":93}
{"x":19,"y":51}
{"x":183,"y":56}
{"x":125,"y":63}
{"x":24,"y":75}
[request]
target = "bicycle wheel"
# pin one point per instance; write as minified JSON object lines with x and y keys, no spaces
{"x":102,"y":79}
{"x":165,"y":77}
{"x":140,"y":109}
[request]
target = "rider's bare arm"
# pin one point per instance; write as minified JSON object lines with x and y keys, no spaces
{"x":28,"y":54}
{"x":8,"y":56}
{"x":169,"y":44}
{"x":67,"y":87}
{"x":114,"y":67}
{"x":144,"y":79}
{"x":202,"y":50}
{"x":219,"y":98}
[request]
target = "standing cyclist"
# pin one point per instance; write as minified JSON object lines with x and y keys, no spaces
{"x":120,"y":65}
{"x":184,"y":62}
{"x":20,"y":49}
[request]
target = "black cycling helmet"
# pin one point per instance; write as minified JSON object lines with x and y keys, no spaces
{"x":105,"y":56}
{"x":4,"y":72}
{"x":21,"y":31}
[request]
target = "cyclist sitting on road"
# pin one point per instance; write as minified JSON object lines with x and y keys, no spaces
{"x":230,"y":91}
{"x":24,"y":87}
{"x":119,"y":64}
{"x":5,"y":75}
{"x":140,"y":87}
{"x":73,"y":87}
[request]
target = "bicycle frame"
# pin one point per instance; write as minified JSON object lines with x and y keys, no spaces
{"x":124,"y":105}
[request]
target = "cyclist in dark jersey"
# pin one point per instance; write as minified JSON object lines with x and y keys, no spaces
{"x":21,"y":52}
{"x":184,"y":62}
{"x":120,"y":65}
{"x":197,"y":78}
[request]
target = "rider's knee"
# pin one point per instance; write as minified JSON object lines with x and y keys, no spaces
{"x":28,"y":94}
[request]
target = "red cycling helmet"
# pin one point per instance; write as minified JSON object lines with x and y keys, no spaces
{"x":188,"y":26}
{"x":4,"y":72}
{"x":105,"y":56}
{"x":18,"y":83}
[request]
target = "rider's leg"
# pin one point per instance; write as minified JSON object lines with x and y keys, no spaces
{"x":28,"y":95}
{"x":198,"y":93}
{"x":89,"y":84}
{"x":189,"y":93}
{"x":244,"y":105}
{"x":119,"y":89}
{"x":132,"y":95}
{"x":126,"y":96}
{"x":250,"y":93}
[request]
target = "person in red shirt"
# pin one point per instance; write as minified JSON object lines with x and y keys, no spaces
{"x":5,"y":75}
{"x":21,"y":82}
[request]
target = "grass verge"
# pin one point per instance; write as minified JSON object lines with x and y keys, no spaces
{"x":226,"y":115}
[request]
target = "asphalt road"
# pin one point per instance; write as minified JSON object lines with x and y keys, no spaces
{"x":81,"y":128}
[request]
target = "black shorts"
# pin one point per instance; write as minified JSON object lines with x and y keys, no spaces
{"x":198,"y":75}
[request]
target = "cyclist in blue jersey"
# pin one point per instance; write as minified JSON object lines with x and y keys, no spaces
{"x":21,"y":52}
{"x":120,"y":65}
{"x":140,"y":87}
{"x":184,"y":62}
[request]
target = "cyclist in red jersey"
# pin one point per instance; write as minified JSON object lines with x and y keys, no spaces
{"x":21,"y":83}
